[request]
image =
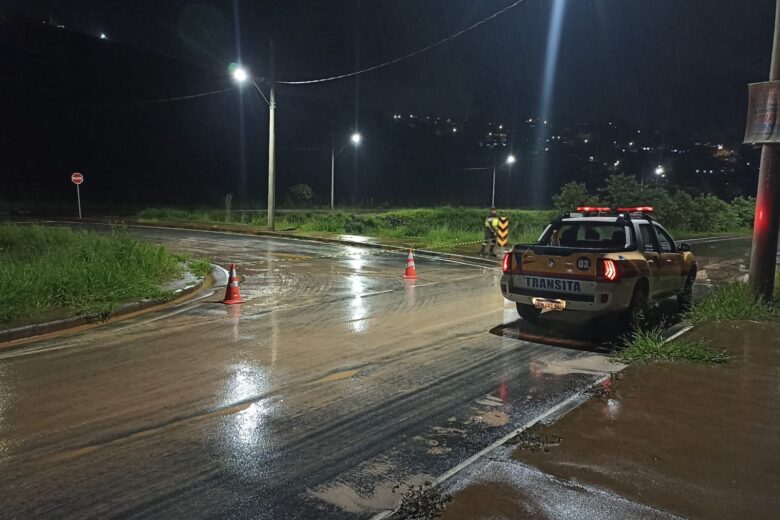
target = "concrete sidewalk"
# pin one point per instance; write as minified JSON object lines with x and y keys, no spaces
{"x":696,"y":441}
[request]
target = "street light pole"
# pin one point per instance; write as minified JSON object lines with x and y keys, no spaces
{"x":332,"y":168}
{"x":763,"y":256}
{"x":271,"y":144}
{"x":493,"y":193}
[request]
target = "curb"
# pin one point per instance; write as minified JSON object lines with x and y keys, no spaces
{"x":291,"y":236}
{"x":38,"y":329}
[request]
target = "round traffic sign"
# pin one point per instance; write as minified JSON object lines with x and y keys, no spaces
{"x":77,"y":178}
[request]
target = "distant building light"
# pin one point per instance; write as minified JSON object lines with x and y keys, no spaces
{"x":592,"y":159}
{"x":697,"y":171}
{"x":639,"y":131}
{"x":454,"y":130}
{"x":546,"y":149}
{"x":103,"y":36}
{"x":720,"y":147}
{"x":545,"y":122}
{"x":631,"y":143}
{"x":585,"y":141}
{"x":617,"y":163}
{"x":748,"y":164}
{"x":500,"y":127}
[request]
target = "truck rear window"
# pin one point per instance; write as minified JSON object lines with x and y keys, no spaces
{"x":583,"y":234}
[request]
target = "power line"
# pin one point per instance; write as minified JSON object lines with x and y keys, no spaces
{"x":172,"y":99}
{"x":411,"y":54}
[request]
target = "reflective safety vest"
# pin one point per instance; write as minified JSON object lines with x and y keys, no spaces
{"x":491,"y":223}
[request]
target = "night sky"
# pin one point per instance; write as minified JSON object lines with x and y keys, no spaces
{"x":664,"y":63}
{"x":677,"y":66}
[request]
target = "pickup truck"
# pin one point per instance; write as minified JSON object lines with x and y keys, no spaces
{"x":599,"y":261}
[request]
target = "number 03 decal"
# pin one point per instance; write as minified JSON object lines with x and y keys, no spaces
{"x":583,"y":264}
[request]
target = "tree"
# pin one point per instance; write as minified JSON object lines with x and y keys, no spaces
{"x":573,"y":194}
{"x":300,"y":195}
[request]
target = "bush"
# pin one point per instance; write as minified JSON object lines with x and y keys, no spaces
{"x":703,"y":214}
{"x":745,"y":209}
{"x":712,"y":214}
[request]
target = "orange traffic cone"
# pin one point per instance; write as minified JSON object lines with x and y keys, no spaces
{"x":233,"y":293}
{"x":411,"y":272}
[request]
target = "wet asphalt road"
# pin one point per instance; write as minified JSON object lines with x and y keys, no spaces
{"x":336,"y":381}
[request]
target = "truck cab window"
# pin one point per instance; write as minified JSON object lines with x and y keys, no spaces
{"x":667,"y":244}
{"x":649,"y":240}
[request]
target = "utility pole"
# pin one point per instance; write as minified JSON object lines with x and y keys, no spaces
{"x":493,"y":193}
{"x":763,"y":256}
{"x":332,"y":168}
{"x":272,"y":143}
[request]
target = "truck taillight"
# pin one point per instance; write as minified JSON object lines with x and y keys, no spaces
{"x":607,"y":271}
{"x":506,"y":265}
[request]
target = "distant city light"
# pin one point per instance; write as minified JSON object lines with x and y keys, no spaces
{"x":617,"y":163}
{"x":500,"y":127}
{"x":454,"y":130}
{"x":659,"y":170}
{"x":511,"y":159}
{"x":356,"y":137}
{"x":103,"y":36}
{"x":585,"y":141}
{"x":631,"y":143}
{"x":720,"y":147}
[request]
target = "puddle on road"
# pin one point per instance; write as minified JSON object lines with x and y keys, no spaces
{"x":595,"y":364}
{"x":385,"y":495}
{"x":493,"y":418}
{"x":337,"y":376}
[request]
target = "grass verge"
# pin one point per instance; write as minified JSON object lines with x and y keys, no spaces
{"x":649,"y":345}
{"x":731,"y":301}
{"x":440,"y":228}
{"x":45,"y":269}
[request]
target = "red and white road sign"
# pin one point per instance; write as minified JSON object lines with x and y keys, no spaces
{"x":77,"y":178}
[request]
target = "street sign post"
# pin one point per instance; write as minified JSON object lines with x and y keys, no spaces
{"x":503,"y":231}
{"x":77,"y":179}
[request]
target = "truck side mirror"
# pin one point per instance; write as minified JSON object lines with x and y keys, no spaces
{"x":685,"y":247}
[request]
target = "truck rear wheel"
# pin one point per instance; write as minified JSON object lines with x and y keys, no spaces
{"x":638,"y":309}
{"x":685,"y":298}
{"x":528,"y":312}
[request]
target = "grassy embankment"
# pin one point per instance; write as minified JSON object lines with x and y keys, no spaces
{"x":44,"y":270}
{"x":431,"y":228}
{"x":434,"y":228}
{"x":727,"y":302}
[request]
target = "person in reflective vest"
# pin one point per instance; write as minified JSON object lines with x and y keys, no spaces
{"x":491,"y":230}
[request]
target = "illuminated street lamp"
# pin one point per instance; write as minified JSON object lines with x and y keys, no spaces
{"x":240,"y":75}
{"x":355,"y":139}
{"x":510,"y":160}
{"x":659,"y":170}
